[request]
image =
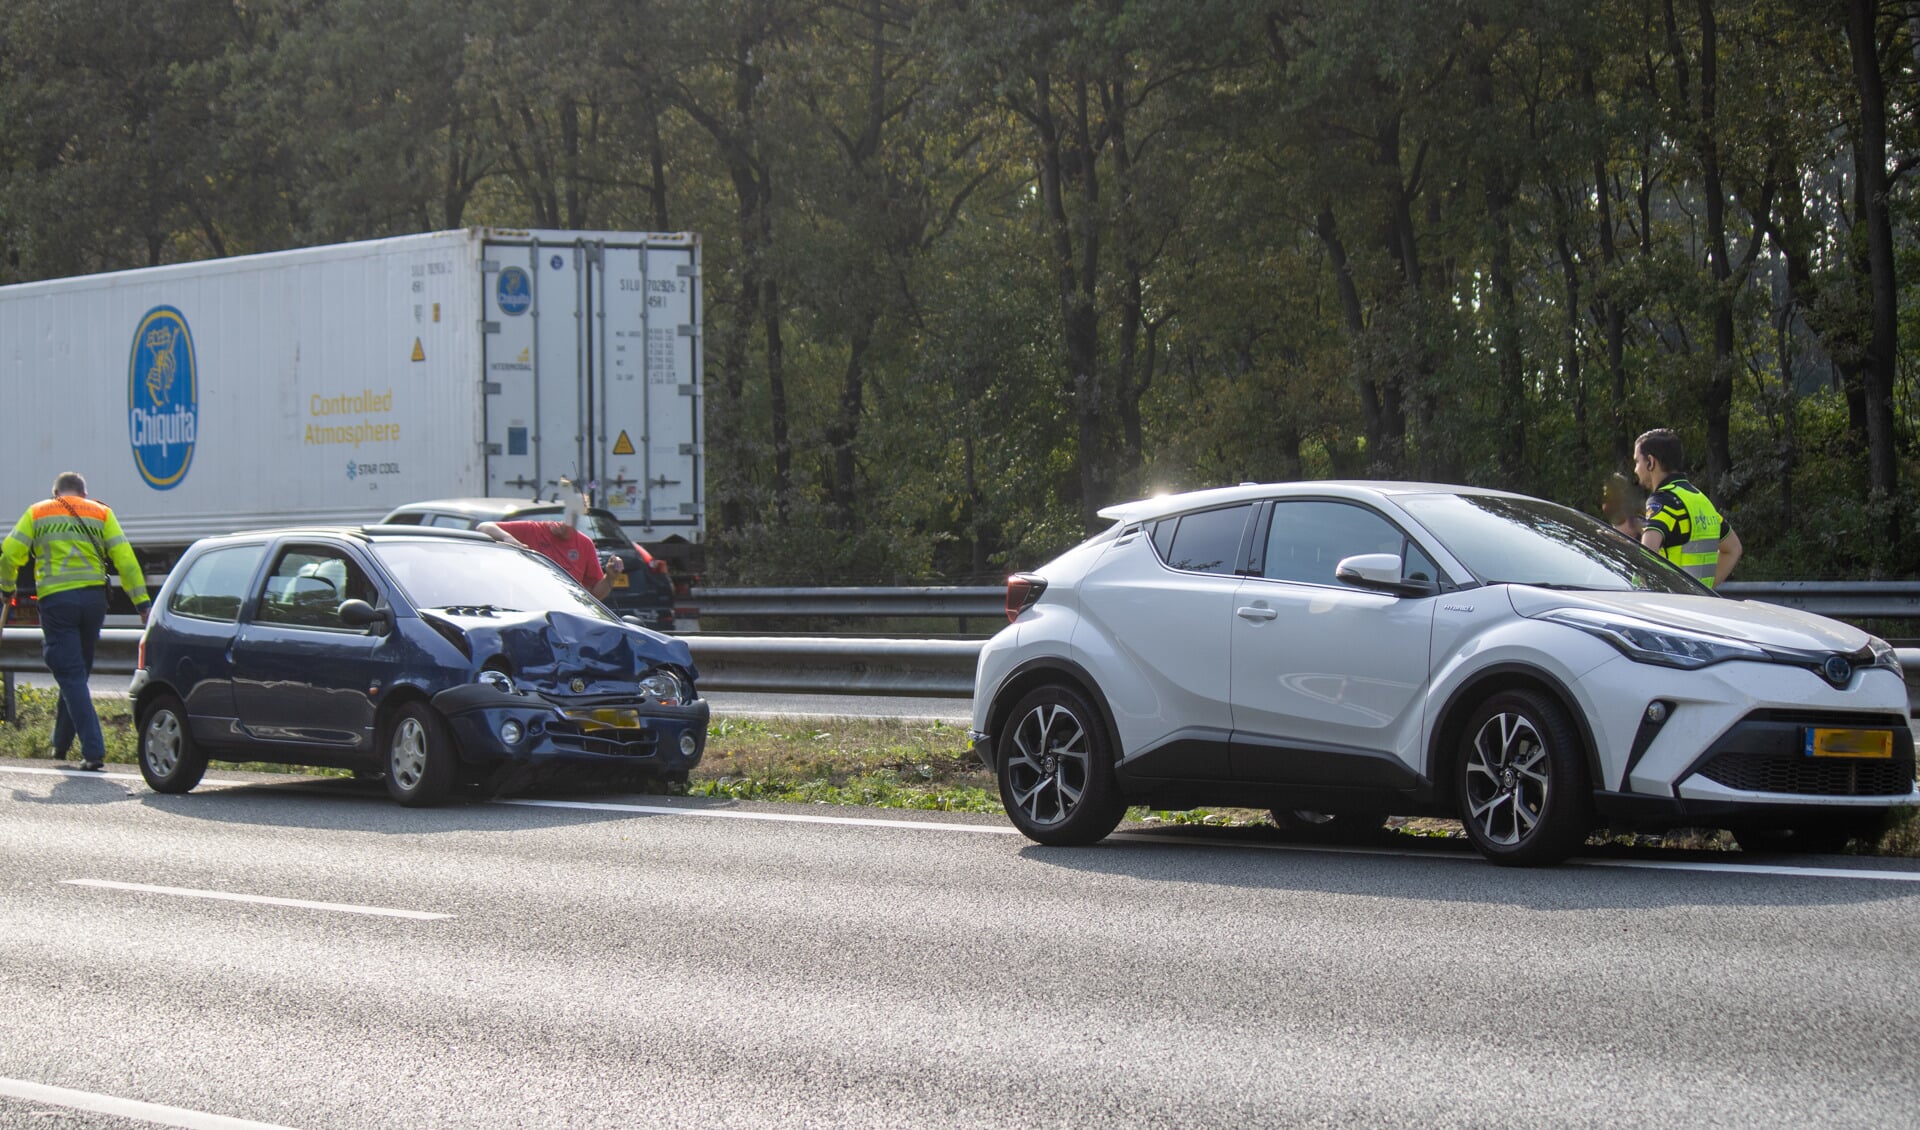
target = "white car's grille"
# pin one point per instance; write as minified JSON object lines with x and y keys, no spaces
{"x":1805,"y":776}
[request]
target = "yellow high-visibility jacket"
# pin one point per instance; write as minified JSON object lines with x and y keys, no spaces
{"x":66,"y":536}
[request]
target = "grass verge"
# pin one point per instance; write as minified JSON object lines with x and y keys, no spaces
{"x":869,"y":762}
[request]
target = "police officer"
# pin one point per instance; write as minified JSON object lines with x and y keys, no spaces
{"x":1682,"y":525}
{"x":71,"y":538}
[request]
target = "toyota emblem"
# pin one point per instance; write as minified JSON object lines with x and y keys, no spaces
{"x":1837,"y":670}
{"x":579,"y":685}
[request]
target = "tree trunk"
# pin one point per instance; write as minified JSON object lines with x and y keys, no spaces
{"x":1870,"y":163}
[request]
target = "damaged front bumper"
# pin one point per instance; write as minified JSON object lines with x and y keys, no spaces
{"x":490,"y":725}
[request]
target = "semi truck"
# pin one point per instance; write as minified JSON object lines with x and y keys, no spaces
{"x":329,"y":385}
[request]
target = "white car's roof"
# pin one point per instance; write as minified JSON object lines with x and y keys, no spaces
{"x":1357,"y":489}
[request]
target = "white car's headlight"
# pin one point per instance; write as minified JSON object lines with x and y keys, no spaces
{"x":1884,"y":655}
{"x":1646,"y":642}
{"x":662,"y":686}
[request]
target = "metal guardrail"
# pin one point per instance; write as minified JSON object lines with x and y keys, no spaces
{"x":1846,"y":600}
{"x":1859,"y":600}
{"x":803,"y":665}
{"x":944,"y":668}
{"x":928,"y":601}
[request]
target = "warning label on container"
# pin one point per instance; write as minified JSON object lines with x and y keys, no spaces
{"x":419,"y":354}
{"x":623,"y":445}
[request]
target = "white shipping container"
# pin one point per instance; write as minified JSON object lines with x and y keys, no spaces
{"x":331,"y":384}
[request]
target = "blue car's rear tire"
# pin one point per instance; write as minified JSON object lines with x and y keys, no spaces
{"x":170,"y":760}
{"x":418,"y":755}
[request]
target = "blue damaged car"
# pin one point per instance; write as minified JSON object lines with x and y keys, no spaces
{"x":428,"y":656}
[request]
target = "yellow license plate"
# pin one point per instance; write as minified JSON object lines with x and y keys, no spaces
{"x":1849,"y":743}
{"x":619,"y":580}
{"x":605,"y":718}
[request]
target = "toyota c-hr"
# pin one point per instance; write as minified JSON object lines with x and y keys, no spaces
{"x":1350,"y":650}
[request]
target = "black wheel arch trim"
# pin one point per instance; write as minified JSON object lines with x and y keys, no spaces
{"x":1451,"y":721}
{"x":1033,"y":673}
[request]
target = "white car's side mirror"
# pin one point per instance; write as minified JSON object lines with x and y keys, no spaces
{"x":1381,"y":573}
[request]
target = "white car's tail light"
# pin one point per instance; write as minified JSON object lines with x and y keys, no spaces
{"x":1023,"y":590}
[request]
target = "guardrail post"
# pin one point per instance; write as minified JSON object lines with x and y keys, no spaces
{"x":7,"y":714}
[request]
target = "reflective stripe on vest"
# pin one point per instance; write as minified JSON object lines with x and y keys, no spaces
{"x":1699,"y":555}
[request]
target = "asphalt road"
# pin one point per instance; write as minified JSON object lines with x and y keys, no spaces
{"x":626,"y":961}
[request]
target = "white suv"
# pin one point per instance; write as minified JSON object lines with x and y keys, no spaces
{"x":1341,"y":651}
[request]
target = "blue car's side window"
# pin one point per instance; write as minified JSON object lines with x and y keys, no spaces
{"x":309,"y":584}
{"x":215,"y":584}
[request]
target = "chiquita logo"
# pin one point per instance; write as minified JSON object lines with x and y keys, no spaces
{"x":163,"y":398}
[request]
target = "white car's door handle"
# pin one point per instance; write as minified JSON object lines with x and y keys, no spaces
{"x":1256,"y":612}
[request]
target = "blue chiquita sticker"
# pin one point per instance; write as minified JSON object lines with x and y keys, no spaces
{"x":514,"y":290}
{"x":163,"y":398}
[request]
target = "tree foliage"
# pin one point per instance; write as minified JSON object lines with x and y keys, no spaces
{"x":978,"y":268}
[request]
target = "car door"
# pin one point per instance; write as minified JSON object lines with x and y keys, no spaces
{"x":1327,"y":678}
{"x":300,"y":675}
{"x":1153,"y":623}
{"x":191,"y":649}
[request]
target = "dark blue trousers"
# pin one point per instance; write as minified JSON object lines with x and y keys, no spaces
{"x":70,"y":625}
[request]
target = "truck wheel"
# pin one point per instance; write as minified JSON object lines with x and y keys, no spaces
{"x":419,"y":756}
{"x":170,"y":759}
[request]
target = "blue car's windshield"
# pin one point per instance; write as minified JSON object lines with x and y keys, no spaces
{"x":1510,"y":540}
{"x":470,"y":574}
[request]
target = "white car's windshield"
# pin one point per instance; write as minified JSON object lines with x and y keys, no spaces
{"x":466,"y":575}
{"x":1505,"y":540}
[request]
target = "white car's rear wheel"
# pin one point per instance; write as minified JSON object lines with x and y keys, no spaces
{"x":1056,"y":769}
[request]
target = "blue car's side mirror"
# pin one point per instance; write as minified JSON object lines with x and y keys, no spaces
{"x":360,"y":614}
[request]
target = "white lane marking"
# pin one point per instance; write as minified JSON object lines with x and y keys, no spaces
{"x":1474,"y":857}
{"x":1754,"y":869}
{"x":1144,"y":837}
{"x":776,"y":817}
{"x":127,"y":1108}
{"x":102,"y":776}
{"x":228,"y":896}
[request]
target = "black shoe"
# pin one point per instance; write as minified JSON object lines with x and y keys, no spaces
{"x":58,"y":755}
{"x":92,"y":766}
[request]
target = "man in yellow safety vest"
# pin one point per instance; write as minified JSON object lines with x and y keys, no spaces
{"x":1682,"y":525}
{"x":72,"y":538}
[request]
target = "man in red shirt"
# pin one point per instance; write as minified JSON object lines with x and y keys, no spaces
{"x":561,"y":542}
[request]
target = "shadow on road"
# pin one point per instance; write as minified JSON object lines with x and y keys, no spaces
{"x":345,"y":804}
{"x":1438,"y":869}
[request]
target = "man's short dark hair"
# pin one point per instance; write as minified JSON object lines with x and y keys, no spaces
{"x":1664,"y":445}
{"x":70,"y":482}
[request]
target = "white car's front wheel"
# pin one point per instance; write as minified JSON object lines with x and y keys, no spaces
{"x":1521,"y":776}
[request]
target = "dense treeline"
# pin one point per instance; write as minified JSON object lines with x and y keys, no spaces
{"x":976,"y":268}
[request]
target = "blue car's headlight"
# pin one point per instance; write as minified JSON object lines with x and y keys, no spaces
{"x":1645,"y":642}
{"x":498,"y":680}
{"x":662,"y":686}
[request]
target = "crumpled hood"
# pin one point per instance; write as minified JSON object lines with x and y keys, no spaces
{"x":551,"y":649}
{"x":1769,"y":625}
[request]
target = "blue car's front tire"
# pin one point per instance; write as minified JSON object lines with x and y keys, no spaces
{"x":418,"y":756}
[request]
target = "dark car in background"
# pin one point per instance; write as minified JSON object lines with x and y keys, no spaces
{"x":644,"y":590}
{"x":427,"y":656}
